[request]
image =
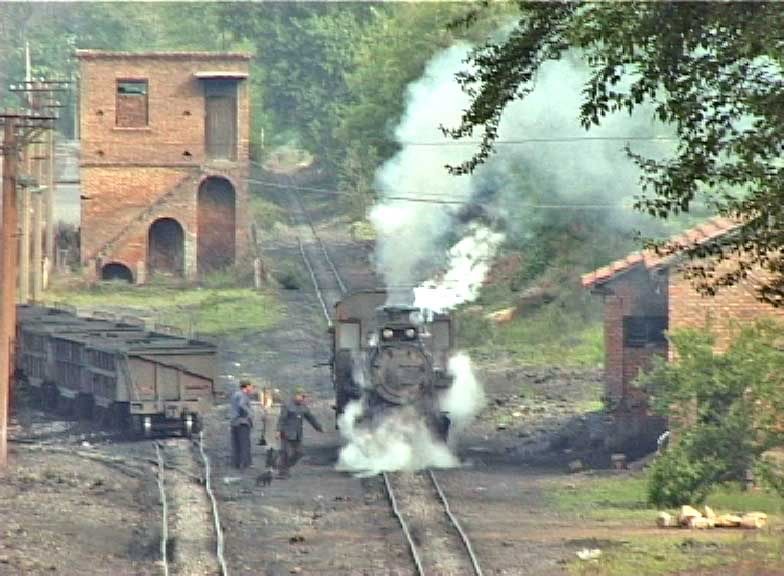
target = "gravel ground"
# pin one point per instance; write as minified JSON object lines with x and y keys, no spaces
{"x":63,"y":514}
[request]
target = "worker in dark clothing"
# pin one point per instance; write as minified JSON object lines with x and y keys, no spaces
{"x":290,"y":430}
{"x":241,"y":423}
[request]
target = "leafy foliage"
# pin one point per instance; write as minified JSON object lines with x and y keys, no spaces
{"x":712,"y":71}
{"x":725,"y":410}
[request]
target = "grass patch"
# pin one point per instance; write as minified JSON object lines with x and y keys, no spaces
{"x":621,"y":500}
{"x":362,"y":230}
{"x":550,"y":336}
{"x":673,"y":553}
{"x":601,"y":498}
{"x":210,"y":311}
{"x":625,"y":498}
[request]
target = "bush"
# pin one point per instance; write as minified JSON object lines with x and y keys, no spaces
{"x":291,"y":277}
{"x":725,"y":411}
{"x":676,"y":479}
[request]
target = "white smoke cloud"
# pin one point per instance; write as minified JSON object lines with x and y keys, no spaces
{"x":410,"y":234}
{"x":465,"y":398}
{"x":400,"y":440}
{"x":469,"y":262}
{"x":549,"y":159}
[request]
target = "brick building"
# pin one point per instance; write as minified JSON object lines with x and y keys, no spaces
{"x":645,"y":295}
{"x":164,"y":162}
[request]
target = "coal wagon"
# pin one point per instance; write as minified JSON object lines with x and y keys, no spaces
{"x":115,"y":372}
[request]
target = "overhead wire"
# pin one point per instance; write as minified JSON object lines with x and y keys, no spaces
{"x":541,"y":140}
{"x":429,"y":198}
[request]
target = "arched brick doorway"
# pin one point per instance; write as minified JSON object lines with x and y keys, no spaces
{"x":116,"y":271}
{"x":216,"y":225}
{"x":165,"y":247}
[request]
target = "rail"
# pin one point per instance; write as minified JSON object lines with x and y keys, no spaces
{"x":165,"y":511}
{"x":456,"y":524}
{"x":219,"y":540}
{"x":324,"y":251}
{"x":411,"y":546}
{"x":313,"y":279}
{"x":219,"y":545}
{"x":453,"y":521}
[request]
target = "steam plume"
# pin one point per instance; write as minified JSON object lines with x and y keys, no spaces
{"x":400,"y":441}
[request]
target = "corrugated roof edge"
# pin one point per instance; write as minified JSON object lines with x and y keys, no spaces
{"x":108,"y":54}
{"x":693,"y":237}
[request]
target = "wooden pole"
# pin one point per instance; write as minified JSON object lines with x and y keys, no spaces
{"x":38,"y":222}
{"x":24,"y":248}
{"x":49,"y":199}
{"x":7,"y":281}
{"x":38,"y":255}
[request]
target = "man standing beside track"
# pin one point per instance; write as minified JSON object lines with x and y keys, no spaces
{"x":241,"y":423}
{"x":290,"y":430}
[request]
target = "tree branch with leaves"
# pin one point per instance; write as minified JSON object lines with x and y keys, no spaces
{"x":710,"y":70}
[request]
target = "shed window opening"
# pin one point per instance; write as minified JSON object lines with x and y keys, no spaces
{"x":135,"y":87}
{"x":132,"y":106}
{"x":641,"y":331}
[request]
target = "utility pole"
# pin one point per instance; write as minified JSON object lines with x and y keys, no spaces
{"x":39,"y":93}
{"x":24,"y":247}
{"x":18,"y":128}
{"x":49,"y":196}
{"x":7,"y":277}
{"x":38,"y":229}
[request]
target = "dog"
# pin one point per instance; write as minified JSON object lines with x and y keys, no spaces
{"x":271,"y":463}
{"x":272,"y":458}
{"x":265,"y":478}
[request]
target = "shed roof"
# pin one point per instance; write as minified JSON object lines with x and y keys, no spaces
{"x":651,"y":259}
{"x":110,"y":54}
{"x":221,"y":74}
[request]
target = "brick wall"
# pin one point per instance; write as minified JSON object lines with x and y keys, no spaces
{"x":134,"y":176}
{"x":722,"y":314}
{"x":631,"y":294}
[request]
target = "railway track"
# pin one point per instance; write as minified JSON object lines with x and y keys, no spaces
{"x":188,"y":546}
{"x":437,"y":542}
{"x":328,"y":283}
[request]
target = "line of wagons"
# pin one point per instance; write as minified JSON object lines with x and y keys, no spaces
{"x":115,"y":372}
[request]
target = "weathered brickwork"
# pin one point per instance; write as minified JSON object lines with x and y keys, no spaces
{"x":635,"y":293}
{"x":131,"y":177}
{"x":723,"y":314}
{"x":665,"y":292}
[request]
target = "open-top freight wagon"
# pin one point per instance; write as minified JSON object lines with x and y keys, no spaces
{"x":115,"y":372}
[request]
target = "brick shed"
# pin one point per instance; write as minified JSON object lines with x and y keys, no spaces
{"x":645,"y":295}
{"x":164,"y":162}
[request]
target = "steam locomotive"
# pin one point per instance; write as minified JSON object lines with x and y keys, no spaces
{"x":390,"y":358}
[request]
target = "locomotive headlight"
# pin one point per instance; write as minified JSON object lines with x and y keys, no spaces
{"x":387,"y":334}
{"x":410,"y":333}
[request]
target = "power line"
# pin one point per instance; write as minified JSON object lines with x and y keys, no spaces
{"x":433,"y":199}
{"x":555,"y":139}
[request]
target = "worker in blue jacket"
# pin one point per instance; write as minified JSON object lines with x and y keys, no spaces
{"x":241,"y":423}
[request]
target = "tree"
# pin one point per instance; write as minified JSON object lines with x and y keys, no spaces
{"x":711,"y":70}
{"x":724,"y":409}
